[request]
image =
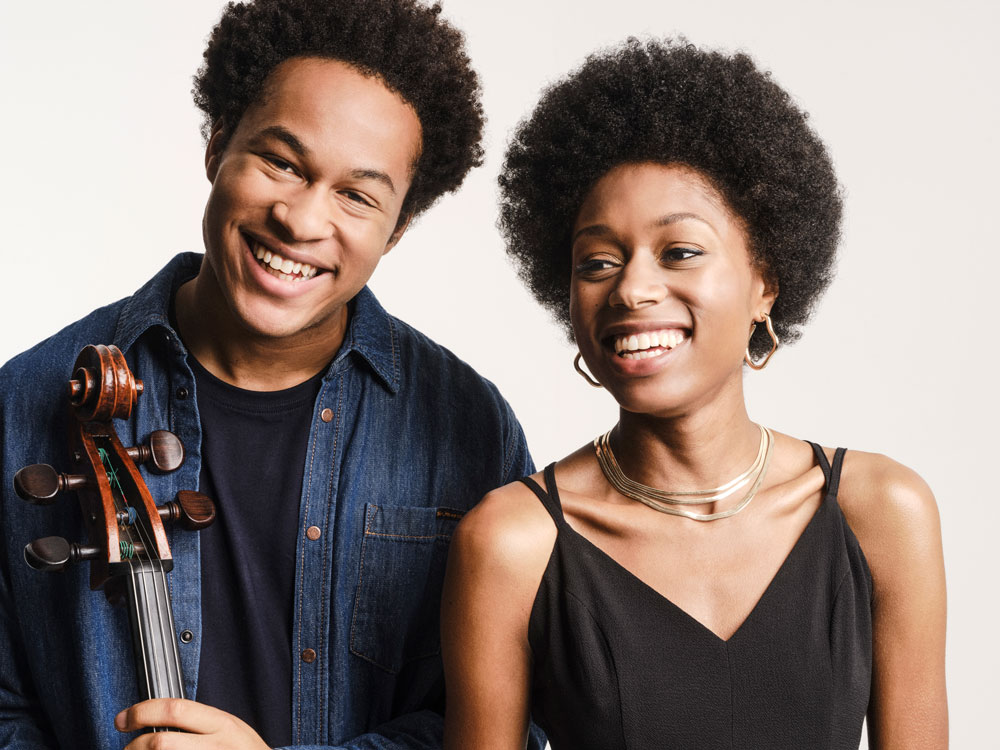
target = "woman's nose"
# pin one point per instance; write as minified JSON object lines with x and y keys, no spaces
{"x":640,"y":283}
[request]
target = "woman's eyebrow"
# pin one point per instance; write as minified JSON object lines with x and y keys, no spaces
{"x":602,"y":230}
{"x":593,"y":230}
{"x":672,"y":218}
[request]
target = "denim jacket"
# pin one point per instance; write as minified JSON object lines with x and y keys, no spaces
{"x":404,"y":439}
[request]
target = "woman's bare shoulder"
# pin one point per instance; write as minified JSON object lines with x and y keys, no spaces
{"x":510,"y":524}
{"x":878,"y":491}
{"x":507,"y":535}
{"x":890,"y":509}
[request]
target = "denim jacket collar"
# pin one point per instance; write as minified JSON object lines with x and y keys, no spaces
{"x":370,"y":331}
{"x":149,"y":307}
{"x":373,"y":336}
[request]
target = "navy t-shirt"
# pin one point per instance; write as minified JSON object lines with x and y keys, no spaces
{"x":253,"y":450}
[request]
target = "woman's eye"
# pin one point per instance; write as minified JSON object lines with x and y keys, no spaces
{"x":674,"y":254}
{"x":594,"y":266}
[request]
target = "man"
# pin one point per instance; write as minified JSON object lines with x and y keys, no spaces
{"x":339,"y":444}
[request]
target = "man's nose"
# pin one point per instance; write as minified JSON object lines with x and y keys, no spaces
{"x":307,"y":215}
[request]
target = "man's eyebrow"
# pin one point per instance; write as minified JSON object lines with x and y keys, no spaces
{"x":374,"y":174}
{"x":284,"y":135}
{"x":288,"y":138}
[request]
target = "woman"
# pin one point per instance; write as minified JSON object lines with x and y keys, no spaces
{"x":690,"y":579}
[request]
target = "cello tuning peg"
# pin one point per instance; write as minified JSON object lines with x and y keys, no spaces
{"x":163,"y":453}
{"x":41,"y":484}
{"x":52,"y":553}
{"x":194,"y":510}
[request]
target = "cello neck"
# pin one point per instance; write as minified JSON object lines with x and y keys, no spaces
{"x":154,"y":639}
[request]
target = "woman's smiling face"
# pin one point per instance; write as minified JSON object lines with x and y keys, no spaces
{"x":663,"y":291}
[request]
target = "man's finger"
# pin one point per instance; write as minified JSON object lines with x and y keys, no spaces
{"x":171,"y":712}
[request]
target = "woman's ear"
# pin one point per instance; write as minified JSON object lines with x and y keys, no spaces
{"x":765,"y":291}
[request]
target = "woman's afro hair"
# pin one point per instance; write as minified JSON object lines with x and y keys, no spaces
{"x":670,"y":102}
{"x":404,"y":43}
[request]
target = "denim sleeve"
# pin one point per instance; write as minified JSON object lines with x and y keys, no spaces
{"x":19,"y":727}
{"x":423,"y":730}
{"x":517,"y":458}
{"x":19,"y":711}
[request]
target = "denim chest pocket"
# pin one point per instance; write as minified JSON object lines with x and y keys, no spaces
{"x":398,"y":600}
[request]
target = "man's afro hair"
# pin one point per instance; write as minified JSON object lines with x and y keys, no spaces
{"x":670,"y":102}
{"x":404,"y":43}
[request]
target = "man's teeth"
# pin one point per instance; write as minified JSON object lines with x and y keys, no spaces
{"x":648,"y":343}
{"x":286,"y":268}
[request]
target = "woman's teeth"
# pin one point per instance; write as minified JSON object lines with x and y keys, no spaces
{"x":283,"y":268}
{"x":648,"y":343}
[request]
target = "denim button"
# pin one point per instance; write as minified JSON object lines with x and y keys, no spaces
{"x":182,"y":392}
{"x":186,"y":636}
{"x":326,"y":415}
{"x":308,"y":656}
{"x":313,"y":533}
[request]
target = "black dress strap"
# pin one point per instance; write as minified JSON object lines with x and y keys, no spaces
{"x":549,"y":499}
{"x":838,"y":464}
{"x":831,"y":474}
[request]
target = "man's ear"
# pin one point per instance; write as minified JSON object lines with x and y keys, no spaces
{"x":214,"y":149}
{"x":397,"y":233}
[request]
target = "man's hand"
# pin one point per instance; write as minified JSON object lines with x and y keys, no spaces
{"x":206,"y":727}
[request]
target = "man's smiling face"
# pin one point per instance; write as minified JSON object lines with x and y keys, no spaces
{"x":306,"y":196}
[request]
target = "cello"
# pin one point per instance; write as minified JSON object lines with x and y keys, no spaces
{"x":126,"y":541}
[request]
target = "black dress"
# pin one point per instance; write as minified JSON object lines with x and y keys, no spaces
{"x":617,"y":665}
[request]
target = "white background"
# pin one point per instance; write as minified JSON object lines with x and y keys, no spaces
{"x":102,"y":182}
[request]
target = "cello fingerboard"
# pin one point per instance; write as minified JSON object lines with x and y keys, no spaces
{"x":154,"y":639}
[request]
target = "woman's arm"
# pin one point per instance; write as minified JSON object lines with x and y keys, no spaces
{"x":894,"y":516}
{"x":495,"y":563}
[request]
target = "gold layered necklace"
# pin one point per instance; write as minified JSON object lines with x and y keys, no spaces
{"x":665,"y":500}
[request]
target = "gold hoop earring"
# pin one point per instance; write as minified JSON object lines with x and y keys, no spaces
{"x":774,"y":345}
{"x":588,"y":378}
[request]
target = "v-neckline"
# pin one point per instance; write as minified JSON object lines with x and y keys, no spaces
{"x":687,"y":615}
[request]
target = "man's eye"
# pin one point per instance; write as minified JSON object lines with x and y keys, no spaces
{"x":280,"y":164}
{"x":357,"y":197}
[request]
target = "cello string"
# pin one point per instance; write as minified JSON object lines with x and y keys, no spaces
{"x":121,"y":506}
{"x":155,"y":571}
{"x":165,"y":620}
{"x":159,"y":596}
